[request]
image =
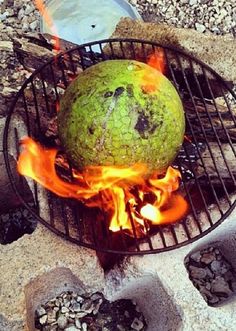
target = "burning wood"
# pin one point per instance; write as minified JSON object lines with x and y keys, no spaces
{"x":109,"y":188}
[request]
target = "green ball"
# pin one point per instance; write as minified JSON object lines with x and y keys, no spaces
{"x":121,"y":112}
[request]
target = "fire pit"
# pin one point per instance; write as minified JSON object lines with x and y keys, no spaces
{"x":206,"y":160}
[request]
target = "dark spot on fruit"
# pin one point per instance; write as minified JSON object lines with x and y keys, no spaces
{"x":91,"y":130}
{"x":93,"y":26}
{"x":108,"y":94}
{"x":119,"y":91}
{"x":142,"y":124}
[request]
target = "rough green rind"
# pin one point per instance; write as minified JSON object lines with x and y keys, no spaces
{"x":107,"y":117}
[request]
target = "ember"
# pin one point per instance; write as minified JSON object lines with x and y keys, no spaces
{"x":109,"y":188}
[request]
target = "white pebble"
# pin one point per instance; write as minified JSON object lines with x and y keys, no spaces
{"x":29,"y":9}
{"x":193,"y":2}
{"x":25,"y":27}
{"x":43,"y":319}
{"x":64,"y":310}
{"x":200,"y":27}
{"x":77,"y":323}
{"x":3,"y":17}
{"x":21,"y":14}
{"x":33,"y":25}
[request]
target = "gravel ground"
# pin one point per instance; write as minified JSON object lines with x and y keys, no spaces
{"x":217,"y":16}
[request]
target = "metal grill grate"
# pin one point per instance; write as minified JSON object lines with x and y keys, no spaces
{"x":206,"y":160}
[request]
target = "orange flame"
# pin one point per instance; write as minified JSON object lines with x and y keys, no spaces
{"x":156,"y":61}
{"x":48,"y":20}
{"x":109,"y":188}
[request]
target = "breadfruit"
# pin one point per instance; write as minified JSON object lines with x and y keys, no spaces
{"x":121,"y":112}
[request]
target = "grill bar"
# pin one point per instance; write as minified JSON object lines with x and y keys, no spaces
{"x":204,"y":134}
{"x":216,"y":136}
{"x":209,"y":195}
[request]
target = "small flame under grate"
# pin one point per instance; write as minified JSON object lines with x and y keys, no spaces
{"x":206,"y":161}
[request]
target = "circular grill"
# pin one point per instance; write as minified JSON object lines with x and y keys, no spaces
{"x":205,"y":161}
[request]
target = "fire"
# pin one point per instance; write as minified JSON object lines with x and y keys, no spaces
{"x":157,"y":61}
{"x":48,"y":20}
{"x":124,"y":193}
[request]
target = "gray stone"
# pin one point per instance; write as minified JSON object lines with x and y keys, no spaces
{"x":67,"y":304}
{"x":220,"y":287}
{"x":137,"y":324}
{"x":77,"y":323}
{"x":43,"y":319}
{"x":87,"y":306}
{"x":193,"y":2}
{"x":21,"y":14}
{"x":64,"y":310}
{"x":207,"y":258}
{"x":25,"y":27}
{"x":76,"y":307}
{"x":200,"y":27}
{"x":219,"y":267}
{"x":196,"y":256}
{"x":198,"y":273}
{"x":33,"y":25}
{"x":51,"y":316}
{"x":62,"y":321}
{"x":72,"y":315}
{"x":79,"y":298}
{"x":29,"y":9}
{"x":71,"y":328}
